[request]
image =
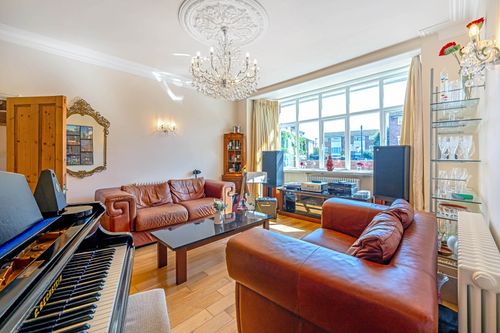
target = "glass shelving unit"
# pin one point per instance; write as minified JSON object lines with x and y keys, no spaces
{"x":454,"y":169}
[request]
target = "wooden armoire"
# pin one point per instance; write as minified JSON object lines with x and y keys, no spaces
{"x":36,"y":137}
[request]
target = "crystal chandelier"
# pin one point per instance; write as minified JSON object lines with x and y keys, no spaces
{"x":224,"y":74}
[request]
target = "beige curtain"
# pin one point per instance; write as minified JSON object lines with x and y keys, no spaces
{"x":412,"y":132}
{"x":265,"y":135}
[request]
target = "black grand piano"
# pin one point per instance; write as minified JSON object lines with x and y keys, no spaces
{"x":63,"y":273}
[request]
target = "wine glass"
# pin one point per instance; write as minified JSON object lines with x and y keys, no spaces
{"x":443,"y":146}
{"x":453,"y":146}
{"x":467,"y":146}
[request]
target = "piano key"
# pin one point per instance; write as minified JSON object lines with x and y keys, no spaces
{"x":73,"y":280}
{"x":44,"y":323}
{"x":69,"y":305}
{"x":88,"y":271}
{"x":76,"y":329}
{"x":83,"y":263}
{"x":75,"y":289}
{"x":57,"y":314}
{"x":81,"y":283}
{"x":55,"y":298}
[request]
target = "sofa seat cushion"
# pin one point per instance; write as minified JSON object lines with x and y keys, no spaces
{"x":187,"y":189}
{"x":199,"y":208}
{"x":160,"y":216}
{"x":330,"y":239}
{"x":149,"y":195}
{"x":380,"y":239}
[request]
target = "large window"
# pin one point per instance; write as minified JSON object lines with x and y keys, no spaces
{"x":345,"y":121}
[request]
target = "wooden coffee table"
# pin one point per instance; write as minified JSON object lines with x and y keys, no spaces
{"x":188,"y":236}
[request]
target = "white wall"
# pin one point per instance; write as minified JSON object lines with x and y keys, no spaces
{"x":490,"y":129}
{"x":136,"y":153}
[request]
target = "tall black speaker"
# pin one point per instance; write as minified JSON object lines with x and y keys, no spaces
{"x":391,"y":172}
{"x":272,"y":163}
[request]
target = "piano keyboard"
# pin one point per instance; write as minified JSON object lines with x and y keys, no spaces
{"x":84,"y":298}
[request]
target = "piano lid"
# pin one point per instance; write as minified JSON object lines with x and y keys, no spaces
{"x":19,"y":212}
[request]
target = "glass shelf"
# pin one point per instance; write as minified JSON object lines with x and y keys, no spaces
{"x":455,"y":123}
{"x":451,"y":179}
{"x":451,"y":105}
{"x":447,"y":260}
{"x":473,"y":201}
{"x":454,"y":90}
{"x":456,"y":161}
{"x":442,"y":217}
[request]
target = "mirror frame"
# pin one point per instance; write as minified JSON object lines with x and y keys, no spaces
{"x":81,"y":107}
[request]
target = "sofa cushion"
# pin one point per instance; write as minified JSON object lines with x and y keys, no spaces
{"x":404,"y":211}
{"x":160,"y":216}
{"x":380,"y":239}
{"x":187,"y":189}
{"x":149,"y":195}
{"x":199,"y":208}
{"x":330,"y":239}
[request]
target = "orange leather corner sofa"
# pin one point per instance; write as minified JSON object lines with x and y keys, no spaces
{"x":285,"y":284}
{"x":140,"y":209}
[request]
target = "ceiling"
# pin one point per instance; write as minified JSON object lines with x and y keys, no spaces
{"x":302,"y":36}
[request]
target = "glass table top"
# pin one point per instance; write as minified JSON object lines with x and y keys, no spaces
{"x":190,"y":233}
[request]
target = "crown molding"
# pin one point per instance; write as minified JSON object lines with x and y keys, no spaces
{"x":75,"y":52}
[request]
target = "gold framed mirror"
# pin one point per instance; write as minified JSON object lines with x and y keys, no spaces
{"x":86,"y":140}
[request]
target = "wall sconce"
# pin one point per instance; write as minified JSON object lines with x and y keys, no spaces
{"x":166,"y":127}
{"x":477,"y":54}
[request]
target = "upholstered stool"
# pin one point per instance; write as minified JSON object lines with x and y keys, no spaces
{"x":147,"y":312}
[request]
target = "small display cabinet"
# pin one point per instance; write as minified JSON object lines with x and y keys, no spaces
{"x":234,"y":158}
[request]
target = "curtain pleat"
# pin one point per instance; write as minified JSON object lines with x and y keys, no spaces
{"x":412,"y":132}
{"x":265,"y":134}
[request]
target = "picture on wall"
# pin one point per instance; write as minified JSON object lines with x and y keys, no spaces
{"x":79,"y":145}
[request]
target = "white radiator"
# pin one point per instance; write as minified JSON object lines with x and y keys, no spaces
{"x":478,"y":276}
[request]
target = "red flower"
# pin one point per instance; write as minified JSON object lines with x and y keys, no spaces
{"x":478,"y":22}
{"x":449,"y":48}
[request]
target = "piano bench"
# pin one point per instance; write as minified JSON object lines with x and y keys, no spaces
{"x":147,"y":312}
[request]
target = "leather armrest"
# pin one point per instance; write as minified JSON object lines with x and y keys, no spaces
{"x":221,"y":190}
{"x":120,"y":209}
{"x":348,"y":216}
{"x":332,"y":290}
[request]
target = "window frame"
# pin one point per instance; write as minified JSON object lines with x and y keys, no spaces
{"x":401,"y":72}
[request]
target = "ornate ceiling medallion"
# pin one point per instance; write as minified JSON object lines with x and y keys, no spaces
{"x":245,"y":20}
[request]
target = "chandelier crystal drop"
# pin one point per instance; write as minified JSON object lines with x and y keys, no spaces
{"x":224,"y":74}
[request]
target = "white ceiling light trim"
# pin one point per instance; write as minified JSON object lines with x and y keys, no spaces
{"x":86,"y":55}
{"x":203,"y":19}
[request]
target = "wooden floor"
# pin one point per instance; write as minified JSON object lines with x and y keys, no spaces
{"x":205,"y":303}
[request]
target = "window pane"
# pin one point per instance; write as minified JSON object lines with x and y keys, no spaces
{"x":333,"y":104}
{"x":288,"y":113}
{"x":365,"y":133}
{"x":309,"y":144}
{"x":364,"y":97}
{"x":288,"y":138}
{"x":309,"y":109}
{"x":393,"y":122}
{"x":394,"y":92}
{"x":334,"y":141}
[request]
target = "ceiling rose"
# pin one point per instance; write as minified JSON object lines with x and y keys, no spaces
{"x":245,"y":20}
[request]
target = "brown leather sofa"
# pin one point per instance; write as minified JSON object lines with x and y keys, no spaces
{"x":140,"y":209}
{"x":310,"y":285}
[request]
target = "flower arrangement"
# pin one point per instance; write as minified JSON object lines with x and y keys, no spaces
{"x":219,"y":205}
{"x":360,"y":165}
{"x":471,"y":69}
